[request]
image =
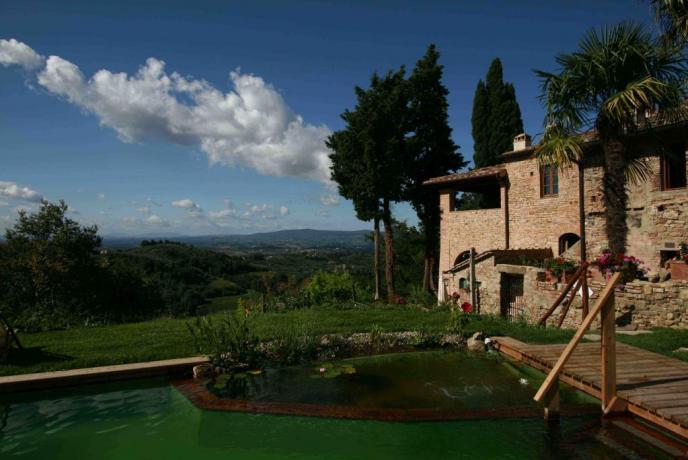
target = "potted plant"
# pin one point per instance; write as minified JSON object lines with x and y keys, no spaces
{"x":629,"y":266}
{"x":679,"y":267}
{"x":560,"y":268}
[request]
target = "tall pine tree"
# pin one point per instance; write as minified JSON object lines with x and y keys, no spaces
{"x":496,"y":117}
{"x":431,"y":149}
{"x":369,"y":159}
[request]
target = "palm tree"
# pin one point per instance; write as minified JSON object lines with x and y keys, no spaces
{"x":617,"y":76}
{"x":672,"y":16}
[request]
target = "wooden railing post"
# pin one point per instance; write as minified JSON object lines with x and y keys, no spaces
{"x":553,"y":375}
{"x":551,"y":401}
{"x":610,"y":402}
{"x":582,"y":270}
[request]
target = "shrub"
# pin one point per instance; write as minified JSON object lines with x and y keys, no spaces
{"x":230,"y":343}
{"x":419,"y":296}
{"x":295,"y":345}
{"x":330,"y":287}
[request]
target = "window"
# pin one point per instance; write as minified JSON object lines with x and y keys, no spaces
{"x":549,"y":180}
{"x":674,"y":168}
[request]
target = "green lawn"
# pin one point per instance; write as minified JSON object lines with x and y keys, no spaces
{"x":169,"y":338}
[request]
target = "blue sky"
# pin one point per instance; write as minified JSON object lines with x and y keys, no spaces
{"x":187,"y":148}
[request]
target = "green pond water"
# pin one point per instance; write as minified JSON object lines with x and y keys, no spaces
{"x":151,"y":419}
{"x":440,"y":380}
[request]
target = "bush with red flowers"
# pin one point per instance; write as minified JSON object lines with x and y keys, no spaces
{"x":629,"y":266}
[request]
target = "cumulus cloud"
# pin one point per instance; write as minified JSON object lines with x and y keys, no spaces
{"x":223,"y":214}
{"x":12,"y":190}
{"x":13,"y":52}
{"x":249,"y":126}
{"x":251,"y":212}
{"x":154,"y":219}
{"x":329,"y":199}
{"x":185,"y":203}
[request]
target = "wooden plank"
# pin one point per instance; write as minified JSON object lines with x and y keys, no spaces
{"x":53,"y":379}
{"x":606,"y":294}
{"x":563,"y":294}
{"x":672,"y":427}
{"x":572,"y":296}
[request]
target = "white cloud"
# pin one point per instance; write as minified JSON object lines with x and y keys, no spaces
{"x":185,"y":203}
{"x":144,"y":210}
{"x":13,"y":52}
{"x":157,"y":220}
{"x":283,"y":210}
{"x":101,"y":196}
{"x":223,"y":214}
{"x":249,"y":126}
{"x":4,"y":204}
{"x":12,"y":190}
{"x":329,"y":199}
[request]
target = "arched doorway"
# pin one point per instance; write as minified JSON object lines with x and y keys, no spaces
{"x":567,"y":241}
{"x":465,"y":255}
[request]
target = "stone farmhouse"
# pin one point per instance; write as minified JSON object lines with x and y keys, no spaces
{"x":533,"y":215}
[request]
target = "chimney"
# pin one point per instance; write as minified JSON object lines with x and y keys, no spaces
{"x":521,"y":142}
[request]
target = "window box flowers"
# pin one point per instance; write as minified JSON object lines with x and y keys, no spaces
{"x":629,"y":266}
{"x":560,"y":268}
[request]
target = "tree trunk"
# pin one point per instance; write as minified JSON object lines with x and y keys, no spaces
{"x":376,"y":261}
{"x":615,"y":196}
{"x":389,"y":252}
{"x":428,"y":272}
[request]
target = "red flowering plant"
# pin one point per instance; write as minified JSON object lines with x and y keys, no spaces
{"x":560,"y":265}
{"x":629,"y":266}
{"x":684,"y":251}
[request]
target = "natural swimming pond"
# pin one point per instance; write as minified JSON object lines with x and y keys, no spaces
{"x":151,"y":419}
{"x":450,"y":383}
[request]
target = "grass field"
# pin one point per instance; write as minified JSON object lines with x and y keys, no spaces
{"x":169,"y":338}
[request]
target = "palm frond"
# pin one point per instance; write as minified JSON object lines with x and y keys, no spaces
{"x":559,"y":147}
{"x":638,"y":170}
{"x":637,"y":96}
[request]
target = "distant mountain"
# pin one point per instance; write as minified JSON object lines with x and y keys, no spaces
{"x":298,"y":239}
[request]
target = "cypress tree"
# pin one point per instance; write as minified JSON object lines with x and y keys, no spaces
{"x":495,"y":136}
{"x":431,"y":148}
{"x":480,"y":128}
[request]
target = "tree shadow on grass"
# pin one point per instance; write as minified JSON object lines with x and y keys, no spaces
{"x":31,"y":356}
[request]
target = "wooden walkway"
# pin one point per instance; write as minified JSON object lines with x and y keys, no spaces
{"x":654,"y":387}
{"x":43,"y":380}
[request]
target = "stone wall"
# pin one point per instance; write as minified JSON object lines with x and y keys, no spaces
{"x":639,"y":304}
{"x":459,"y":231}
{"x":534,"y":221}
{"x":537,"y":221}
{"x":657,"y":219}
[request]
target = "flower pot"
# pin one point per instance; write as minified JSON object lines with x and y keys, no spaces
{"x":551,"y":277}
{"x":679,"y":270}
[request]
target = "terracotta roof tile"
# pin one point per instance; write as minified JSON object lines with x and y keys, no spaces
{"x":489,"y":171}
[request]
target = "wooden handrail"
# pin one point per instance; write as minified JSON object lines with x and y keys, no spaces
{"x":572,"y":296}
{"x":553,"y":376}
{"x":582,"y":271}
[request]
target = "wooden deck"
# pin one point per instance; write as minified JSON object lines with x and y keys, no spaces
{"x":654,"y":387}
